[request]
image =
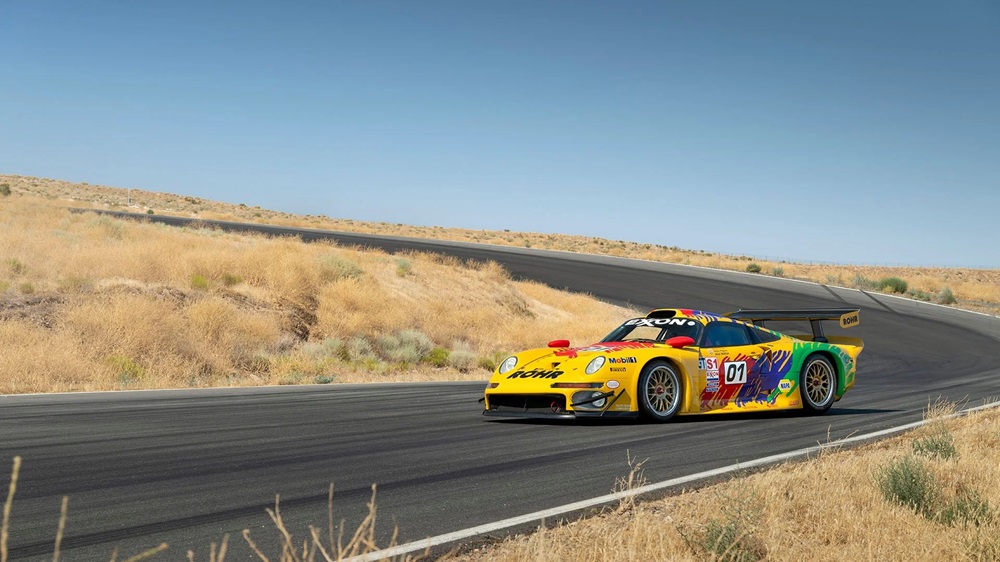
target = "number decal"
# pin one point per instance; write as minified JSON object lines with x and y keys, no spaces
{"x":736,"y":372}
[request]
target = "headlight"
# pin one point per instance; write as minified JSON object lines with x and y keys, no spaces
{"x":595,"y":365}
{"x":507,"y":365}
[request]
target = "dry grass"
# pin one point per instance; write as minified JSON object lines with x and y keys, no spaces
{"x":829,"y":508}
{"x":119,"y":304}
{"x":315,"y":548}
{"x":974,"y":289}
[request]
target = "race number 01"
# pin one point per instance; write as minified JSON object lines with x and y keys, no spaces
{"x":736,"y":372}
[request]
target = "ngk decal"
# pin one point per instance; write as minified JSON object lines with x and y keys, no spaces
{"x":735,"y":372}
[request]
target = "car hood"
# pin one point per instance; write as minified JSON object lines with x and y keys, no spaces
{"x":572,"y":358}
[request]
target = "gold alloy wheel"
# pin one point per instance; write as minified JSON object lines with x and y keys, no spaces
{"x":661,"y":390}
{"x":819,"y":382}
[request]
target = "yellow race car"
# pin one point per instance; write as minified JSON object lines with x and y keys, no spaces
{"x":683,"y":362}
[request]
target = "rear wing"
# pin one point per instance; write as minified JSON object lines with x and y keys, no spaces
{"x":847,"y":317}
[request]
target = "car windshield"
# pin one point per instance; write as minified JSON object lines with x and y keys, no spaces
{"x":655,"y":329}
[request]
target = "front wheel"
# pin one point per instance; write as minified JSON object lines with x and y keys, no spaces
{"x":817,"y":384}
{"x":659,"y":391}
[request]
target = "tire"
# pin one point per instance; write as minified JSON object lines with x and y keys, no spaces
{"x":817,"y":384}
{"x":659,"y":391}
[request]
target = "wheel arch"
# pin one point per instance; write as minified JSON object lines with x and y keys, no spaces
{"x":687,"y":381}
{"x":838,"y":369}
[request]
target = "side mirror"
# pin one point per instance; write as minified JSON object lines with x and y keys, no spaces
{"x":680,"y":341}
{"x":563,"y":343}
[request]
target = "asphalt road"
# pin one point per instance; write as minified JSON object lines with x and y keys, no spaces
{"x":189,"y":466}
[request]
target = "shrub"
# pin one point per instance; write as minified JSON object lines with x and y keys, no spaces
{"x":403,"y":267}
{"x":462,"y":357}
{"x":864,"y":283}
{"x":392,"y":349}
{"x":127,"y":371}
{"x":945,"y":296}
{"x":359,"y":349}
{"x":229,"y":279}
{"x":907,"y":482}
{"x":732,"y":537}
{"x":753,"y":268}
{"x":335,"y":267}
{"x":418,"y":340}
{"x":73,"y":284}
{"x":16,"y":266}
{"x":199,"y":282}
{"x":778,"y":271}
{"x":438,"y":357}
{"x":149,"y":211}
{"x":324,"y":379}
{"x":939,"y":445}
{"x":5,"y":189}
{"x":919,"y":295}
{"x":26,"y":288}
{"x":892,"y":284}
{"x":487,"y":363}
{"x":968,"y":508}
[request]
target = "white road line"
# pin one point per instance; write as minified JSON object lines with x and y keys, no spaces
{"x":454,"y":536}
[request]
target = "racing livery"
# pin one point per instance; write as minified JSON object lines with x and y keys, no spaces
{"x":683,"y":362}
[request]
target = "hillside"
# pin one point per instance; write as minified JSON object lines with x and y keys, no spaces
{"x":968,"y":288}
{"x":92,"y":302}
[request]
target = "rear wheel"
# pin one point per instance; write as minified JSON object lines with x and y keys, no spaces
{"x":817,"y":384}
{"x":659,"y":391}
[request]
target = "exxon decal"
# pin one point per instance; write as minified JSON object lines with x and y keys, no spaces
{"x":660,"y":322}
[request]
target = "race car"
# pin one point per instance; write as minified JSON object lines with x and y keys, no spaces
{"x":676,"y":362}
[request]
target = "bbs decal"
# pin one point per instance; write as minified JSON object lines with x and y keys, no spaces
{"x":736,"y":372}
{"x":660,"y":322}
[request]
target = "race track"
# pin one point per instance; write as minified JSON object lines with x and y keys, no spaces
{"x":188,"y":466}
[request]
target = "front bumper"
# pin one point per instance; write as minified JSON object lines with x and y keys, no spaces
{"x":553,"y":406}
{"x":560,"y":416}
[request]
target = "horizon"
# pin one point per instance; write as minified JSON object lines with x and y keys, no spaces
{"x":848,"y":134}
{"x":765,"y":258}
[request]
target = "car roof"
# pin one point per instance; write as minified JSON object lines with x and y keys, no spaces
{"x":699,"y":315}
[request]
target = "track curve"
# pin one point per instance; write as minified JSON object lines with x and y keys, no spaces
{"x":189,"y":466}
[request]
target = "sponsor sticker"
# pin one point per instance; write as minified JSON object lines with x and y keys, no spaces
{"x":712,"y":381}
{"x":618,"y":369}
{"x":850,"y":319}
{"x":701,"y":363}
{"x":712,"y":364}
{"x":784,"y":385}
{"x":660,"y":322}
{"x":535,"y":374}
{"x":621,"y":360}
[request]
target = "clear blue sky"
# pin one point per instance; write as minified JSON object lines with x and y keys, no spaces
{"x":839,"y":131}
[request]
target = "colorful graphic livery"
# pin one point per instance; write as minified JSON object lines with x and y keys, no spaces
{"x":677,"y":362}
